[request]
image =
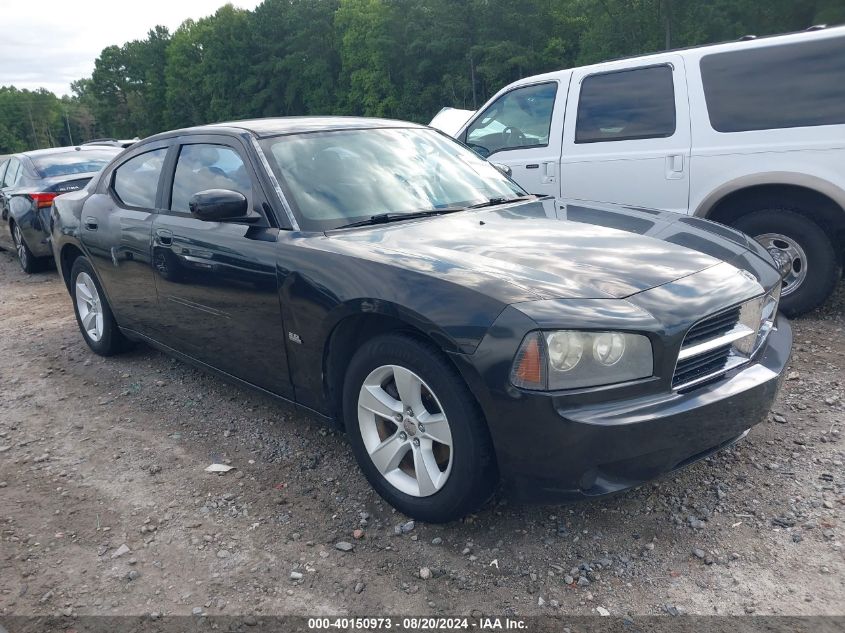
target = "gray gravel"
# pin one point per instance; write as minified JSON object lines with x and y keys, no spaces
{"x":296,"y":529}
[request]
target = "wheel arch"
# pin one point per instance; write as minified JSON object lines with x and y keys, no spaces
{"x":352,"y":329}
{"x":67,"y":255}
{"x":822,"y":201}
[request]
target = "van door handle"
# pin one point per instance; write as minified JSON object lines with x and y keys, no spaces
{"x":91,"y":224}
{"x":532,"y":166}
{"x":165,"y":237}
{"x":674,"y":166}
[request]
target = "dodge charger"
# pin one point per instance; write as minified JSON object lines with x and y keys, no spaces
{"x":464,"y":333}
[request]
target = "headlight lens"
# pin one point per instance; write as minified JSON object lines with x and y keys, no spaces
{"x":565,"y":350}
{"x":571,"y":359}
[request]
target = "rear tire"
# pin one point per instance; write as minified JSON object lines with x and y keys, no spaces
{"x":790,"y":234}
{"x":93,"y":313}
{"x":29,"y":263}
{"x":441,"y":465}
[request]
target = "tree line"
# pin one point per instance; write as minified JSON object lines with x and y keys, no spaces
{"x":392,"y":58}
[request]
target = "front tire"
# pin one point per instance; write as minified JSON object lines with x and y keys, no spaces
{"x":92,"y":310}
{"x":416,"y":431}
{"x":793,"y":237}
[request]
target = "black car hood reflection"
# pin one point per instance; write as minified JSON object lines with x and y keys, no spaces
{"x":546,"y":257}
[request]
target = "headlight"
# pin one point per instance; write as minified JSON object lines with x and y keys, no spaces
{"x":569,"y":359}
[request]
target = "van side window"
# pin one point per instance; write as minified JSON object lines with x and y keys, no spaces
{"x":790,"y":85}
{"x":519,"y":118}
{"x":626,"y":105}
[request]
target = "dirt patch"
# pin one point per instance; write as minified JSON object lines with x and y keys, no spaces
{"x":97,"y":454}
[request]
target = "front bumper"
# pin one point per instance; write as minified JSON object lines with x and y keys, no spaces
{"x":551,"y":449}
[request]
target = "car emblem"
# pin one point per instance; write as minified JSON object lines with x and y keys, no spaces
{"x":410,"y":427}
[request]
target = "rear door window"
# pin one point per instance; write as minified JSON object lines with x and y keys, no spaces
{"x":790,"y":85}
{"x":136,"y":181}
{"x":625,"y":105}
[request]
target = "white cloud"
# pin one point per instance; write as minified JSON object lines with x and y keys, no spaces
{"x":50,"y":43}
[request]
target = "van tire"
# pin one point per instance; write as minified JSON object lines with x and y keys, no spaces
{"x":820,"y":265}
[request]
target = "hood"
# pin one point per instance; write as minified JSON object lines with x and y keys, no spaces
{"x":527,"y":247}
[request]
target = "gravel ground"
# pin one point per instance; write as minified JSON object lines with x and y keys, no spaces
{"x":105,"y":507}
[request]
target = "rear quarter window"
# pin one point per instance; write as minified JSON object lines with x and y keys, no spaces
{"x":785,"y":86}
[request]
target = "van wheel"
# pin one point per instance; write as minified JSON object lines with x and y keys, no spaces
{"x":810,"y":263}
{"x":93,"y":313}
{"x":416,"y":431}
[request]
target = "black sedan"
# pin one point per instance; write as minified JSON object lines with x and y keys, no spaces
{"x":28,"y":184}
{"x":462,"y":332}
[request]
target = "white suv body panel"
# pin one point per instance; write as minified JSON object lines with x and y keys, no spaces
{"x":639,"y":132}
{"x":688,"y":172}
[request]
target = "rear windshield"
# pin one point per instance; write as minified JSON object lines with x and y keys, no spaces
{"x":792,"y":85}
{"x":74,"y":162}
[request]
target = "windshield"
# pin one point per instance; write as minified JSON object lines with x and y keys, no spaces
{"x":335,"y":178}
{"x":76,"y":162}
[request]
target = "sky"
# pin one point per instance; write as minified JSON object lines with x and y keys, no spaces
{"x":49,"y":43}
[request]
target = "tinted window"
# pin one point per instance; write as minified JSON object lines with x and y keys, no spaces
{"x":3,"y":166}
{"x":624,"y":105}
{"x":776,"y":87}
{"x":75,"y":162}
{"x":12,"y":172}
{"x":519,"y":118}
{"x":136,"y":180}
{"x":201,"y":167}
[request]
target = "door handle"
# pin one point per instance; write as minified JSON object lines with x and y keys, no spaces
{"x":165,"y":237}
{"x":674,"y":166}
{"x":91,"y":224}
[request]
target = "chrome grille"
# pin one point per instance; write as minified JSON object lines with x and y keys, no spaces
{"x":724,"y":340}
{"x":708,"y":348}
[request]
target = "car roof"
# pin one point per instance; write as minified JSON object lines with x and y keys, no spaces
{"x":278,"y":126}
{"x":35,"y":153}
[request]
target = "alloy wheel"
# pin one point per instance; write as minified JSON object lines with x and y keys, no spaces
{"x":790,"y":258}
{"x":20,"y":247}
{"x":405,"y":430}
{"x":89,"y":306}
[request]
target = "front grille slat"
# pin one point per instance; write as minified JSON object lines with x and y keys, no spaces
{"x":712,"y":327}
{"x":699,"y":366}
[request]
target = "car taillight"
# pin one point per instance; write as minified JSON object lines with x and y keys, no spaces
{"x":42,"y":199}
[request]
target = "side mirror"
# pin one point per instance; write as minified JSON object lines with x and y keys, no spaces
{"x":220,"y":205}
{"x":505,"y":169}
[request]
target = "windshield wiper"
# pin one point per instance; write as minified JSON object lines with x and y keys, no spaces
{"x":492,"y":202}
{"x":384,"y":218}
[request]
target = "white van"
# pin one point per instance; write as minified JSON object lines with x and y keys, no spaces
{"x":748,"y":133}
